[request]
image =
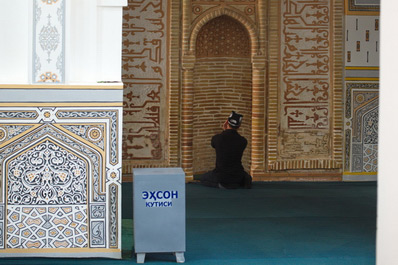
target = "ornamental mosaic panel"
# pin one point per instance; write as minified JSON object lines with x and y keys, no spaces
{"x":9,"y":114}
{"x":47,"y":174}
{"x":48,"y":41}
{"x":246,"y":7}
{"x":94,"y":134}
{"x":8,"y":132}
{"x":144,"y":58}
{"x":306,"y":81}
{"x":363,"y":5}
{"x":371,"y":127}
{"x":43,"y":132}
{"x":361,"y":126}
{"x":61,"y":178}
{"x":111,"y":116}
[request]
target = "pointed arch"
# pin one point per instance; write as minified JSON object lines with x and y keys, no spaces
{"x":257,"y":58}
{"x":213,"y":13}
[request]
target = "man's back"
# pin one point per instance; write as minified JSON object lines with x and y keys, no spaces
{"x":229,"y":147}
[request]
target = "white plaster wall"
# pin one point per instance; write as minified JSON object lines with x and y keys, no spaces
{"x":94,"y":40}
{"x":81,"y":41}
{"x":387,"y":228}
{"x":109,"y":39}
{"x":15,"y":17}
{"x":92,"y":47}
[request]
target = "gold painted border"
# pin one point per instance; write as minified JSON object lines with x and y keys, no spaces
{"x":360,"y":173}
{"x":34,"y":126}
{"x":96,"y":118}
{"x":118,"y":86}
{"x":362,"y":68}
{"x":362,"y":78}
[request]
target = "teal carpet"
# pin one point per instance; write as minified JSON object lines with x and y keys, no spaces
{"x":273,"y":223}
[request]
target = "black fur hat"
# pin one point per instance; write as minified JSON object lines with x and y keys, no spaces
{"x":235,"y":119}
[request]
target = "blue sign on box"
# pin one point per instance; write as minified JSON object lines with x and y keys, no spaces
{"x":159,"y":198}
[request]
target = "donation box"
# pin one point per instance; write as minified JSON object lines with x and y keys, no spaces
{"x":159,"y":212}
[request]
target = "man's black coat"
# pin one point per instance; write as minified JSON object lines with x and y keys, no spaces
{"x":229,"y":147}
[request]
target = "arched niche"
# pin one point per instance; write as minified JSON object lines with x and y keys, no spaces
{"x":222,"y":82}
{"x":190,"y":72}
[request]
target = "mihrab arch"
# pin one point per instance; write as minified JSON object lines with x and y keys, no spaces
{"x":257,"y":60}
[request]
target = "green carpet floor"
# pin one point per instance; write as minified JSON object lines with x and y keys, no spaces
{"x":273,"y":223}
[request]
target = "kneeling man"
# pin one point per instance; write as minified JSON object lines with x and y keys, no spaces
{"x":229,"y":172}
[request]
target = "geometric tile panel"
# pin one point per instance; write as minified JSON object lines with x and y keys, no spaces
{"x":47,"y":227}
{"x":361,"y":116}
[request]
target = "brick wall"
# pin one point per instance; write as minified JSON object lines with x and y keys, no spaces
{"x":221,"y":84}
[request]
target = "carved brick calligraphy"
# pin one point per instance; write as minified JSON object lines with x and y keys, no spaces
{"x":305,"y":83}
{"x":292,"y":147}
{"x":145,"y":79}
